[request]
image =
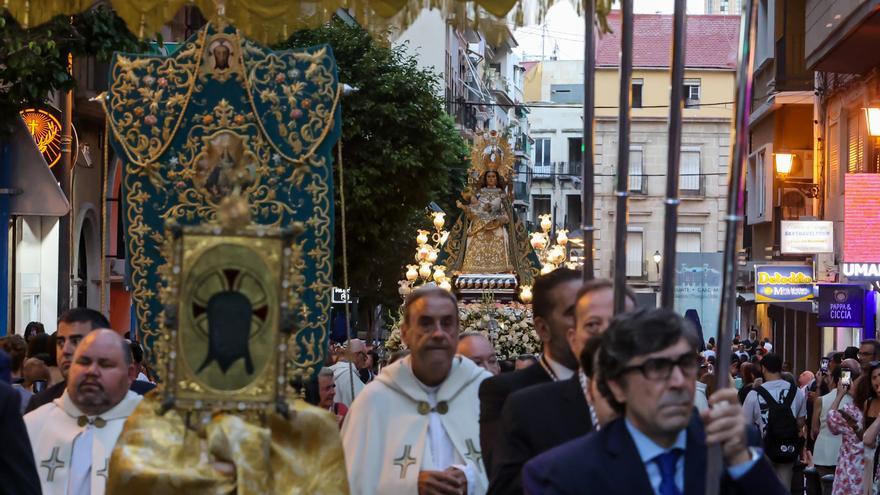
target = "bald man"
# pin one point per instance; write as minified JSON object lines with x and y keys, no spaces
{"x":346,"y":372}
{"x":73,"y":436}
{"x":476,"y":347}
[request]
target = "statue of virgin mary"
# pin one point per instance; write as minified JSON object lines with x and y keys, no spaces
{"x":487,"y":243}
{"x":488,"y":239}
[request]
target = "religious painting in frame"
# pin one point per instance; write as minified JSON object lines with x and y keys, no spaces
{"x":229,"y":316}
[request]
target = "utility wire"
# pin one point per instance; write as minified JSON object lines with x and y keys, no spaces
{"x":541,"y":175}
{"x":577,"y":105}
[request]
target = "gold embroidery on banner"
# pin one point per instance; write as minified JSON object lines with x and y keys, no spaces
{"x":223,"y":141}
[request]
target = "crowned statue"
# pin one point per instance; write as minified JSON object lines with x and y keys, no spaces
{"x":488,"y":248}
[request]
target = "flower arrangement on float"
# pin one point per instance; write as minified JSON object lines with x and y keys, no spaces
{"x":508,"y":326}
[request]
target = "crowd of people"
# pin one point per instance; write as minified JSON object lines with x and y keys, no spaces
{"x":621,"y":404}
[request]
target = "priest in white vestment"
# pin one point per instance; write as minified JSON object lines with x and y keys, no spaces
{"x":415,"y":428}
{"x":73,"y":436}
{"x":346,"y":372}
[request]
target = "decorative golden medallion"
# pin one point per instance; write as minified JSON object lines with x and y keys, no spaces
{"x":45,"y":126}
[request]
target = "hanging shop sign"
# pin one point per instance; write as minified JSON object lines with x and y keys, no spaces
{"x":807,"y":237}
{"x":841,"y":306}
{"x":44,"y":124}
{"x":862,"y":271}
{"x":783,"y":283}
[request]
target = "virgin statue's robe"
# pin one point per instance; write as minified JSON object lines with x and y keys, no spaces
{"x":487,"y":242}
{"x":158,"y":454}
{"x":59,"y":428}
{"x":398,"y":427}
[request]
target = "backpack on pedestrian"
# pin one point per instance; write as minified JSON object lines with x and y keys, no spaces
{"x":782,"y":440}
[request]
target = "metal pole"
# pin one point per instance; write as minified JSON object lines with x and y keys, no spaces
{"x":65,"y":231}
{"x":735,"y":200}
{"x":626,"y":60}
{"x":587,"y":156}
{"x":5,"y":184}
{"x":673,"y":154}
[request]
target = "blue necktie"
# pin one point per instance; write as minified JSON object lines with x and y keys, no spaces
{"x":666,"y":462}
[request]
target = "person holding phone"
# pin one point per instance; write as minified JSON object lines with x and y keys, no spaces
{"x":827,"y":444}
{"x":856,"y":423}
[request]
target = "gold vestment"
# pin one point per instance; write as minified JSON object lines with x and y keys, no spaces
{"x":157,"y":454}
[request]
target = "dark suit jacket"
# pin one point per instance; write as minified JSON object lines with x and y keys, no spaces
{"x":493,"y":393}
{"x":55,"y":391}
{"x":535,"y":420}
{"x":46,"y":396}
{"x":607,"y":462}
{"x":17,"y":470}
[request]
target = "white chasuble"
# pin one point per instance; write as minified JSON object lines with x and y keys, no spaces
{"x":72,"y":450}
{"x":398,"y":427}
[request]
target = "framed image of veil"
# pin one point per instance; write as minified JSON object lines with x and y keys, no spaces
{"x":230,"y":296}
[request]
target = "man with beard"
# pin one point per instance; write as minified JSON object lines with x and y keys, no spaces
{"x":73,"y":436}
{"x":553,"y":301}
{"x":648,"y":361}
{"x":525,"y":431}
{"x":73,"y":325}
{"x":414,"y":428}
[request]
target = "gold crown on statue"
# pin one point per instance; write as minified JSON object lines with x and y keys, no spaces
{"x":491,"y":152}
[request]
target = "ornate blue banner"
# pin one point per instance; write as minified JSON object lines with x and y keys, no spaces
{"x":225,"y":116}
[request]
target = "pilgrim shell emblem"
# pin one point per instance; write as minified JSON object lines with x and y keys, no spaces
{"x":227,"y":303}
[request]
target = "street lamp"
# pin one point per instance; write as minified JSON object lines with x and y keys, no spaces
{"x":872,"y":115}
{"x":784,"y":162}
{"x":657,"y":259}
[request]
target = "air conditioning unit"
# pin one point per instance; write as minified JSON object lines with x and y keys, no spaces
{"x":117,"y":267}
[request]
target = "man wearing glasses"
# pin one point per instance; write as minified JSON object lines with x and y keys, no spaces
{"x":867,"y":353}
{"x":659,"y":444}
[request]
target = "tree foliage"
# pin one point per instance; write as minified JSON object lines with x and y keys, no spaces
{"x":33,"y":62}
{"x":400,"y":152}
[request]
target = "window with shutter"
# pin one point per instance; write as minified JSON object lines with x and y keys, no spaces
{"x":689,"y":179}
{"x":834,"y":157}
{"x":855,"y":143}
{"x":688,"y":242}
{"x":634,"y":254}
{"x":760,"y":183}
{"x":636,"y":172}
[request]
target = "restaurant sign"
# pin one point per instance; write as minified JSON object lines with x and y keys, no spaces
{"x":807,"y":237}
{"x":783,"y":283}
{"x":841,"y":306}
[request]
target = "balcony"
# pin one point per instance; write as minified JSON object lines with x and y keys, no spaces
{"x":841,"y":35}
{"x":571,"y":170}
{"x":542,"y":171}
{"x":638,"y":184}
{"x":692,"y":185}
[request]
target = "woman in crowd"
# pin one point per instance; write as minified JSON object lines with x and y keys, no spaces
{"x":854,"y":422}
{"x":747,"y":372}
{"x":827,"y":444}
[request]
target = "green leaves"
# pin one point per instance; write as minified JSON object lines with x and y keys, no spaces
{"x":33,"y":62}
{"x":400,"y":150}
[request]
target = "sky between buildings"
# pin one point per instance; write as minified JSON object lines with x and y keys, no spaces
{"x":563,"y":31}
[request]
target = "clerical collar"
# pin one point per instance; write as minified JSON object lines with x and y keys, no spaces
{"x":556,"y":370}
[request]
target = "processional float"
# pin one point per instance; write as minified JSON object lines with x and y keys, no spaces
{"x":225,"y":166}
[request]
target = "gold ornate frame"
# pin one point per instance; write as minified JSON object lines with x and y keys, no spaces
{"x":201,"y":255}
